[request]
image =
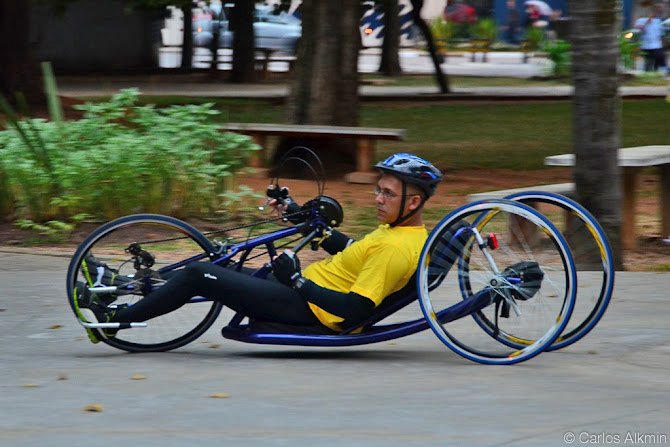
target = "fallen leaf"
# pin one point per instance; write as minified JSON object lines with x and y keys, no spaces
{"x":214,"y":346}
{"x":55,"y":326}
{"x":62,"y":377}
{"x":29,"y":385}
{"x":220,"y":395}
{"x":95,"y":408}
{"x":138,"y":377}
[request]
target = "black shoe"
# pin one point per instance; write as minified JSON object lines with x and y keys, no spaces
{"x":99,"y":274}
{"x":90,"y":309}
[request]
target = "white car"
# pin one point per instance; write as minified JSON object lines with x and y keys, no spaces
{"x":272,"y":31}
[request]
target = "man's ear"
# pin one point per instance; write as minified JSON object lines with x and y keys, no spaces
{"x":414,"y":202}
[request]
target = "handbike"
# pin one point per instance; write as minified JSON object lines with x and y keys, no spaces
{"x":496,"y":280}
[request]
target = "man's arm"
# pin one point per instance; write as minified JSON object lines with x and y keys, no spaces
{"x":336,"y":242}
{"x":352,"y":307}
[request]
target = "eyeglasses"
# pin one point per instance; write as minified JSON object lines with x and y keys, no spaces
{"x":386,"y":194}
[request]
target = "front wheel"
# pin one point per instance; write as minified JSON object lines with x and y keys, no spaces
{"x":128,"y":258}
{"x":496,"y":282}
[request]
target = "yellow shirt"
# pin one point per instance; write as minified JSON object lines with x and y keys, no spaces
{"x":374,"y":267}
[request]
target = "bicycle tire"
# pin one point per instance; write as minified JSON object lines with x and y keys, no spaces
{"x":544,"y":314}
{"x":583,"y":237}
{"x":173,"y":243}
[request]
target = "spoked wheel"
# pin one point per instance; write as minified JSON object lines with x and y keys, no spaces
{"x":125,"y":259}
{"x":592,"y":255}
{"x":512,"y":273}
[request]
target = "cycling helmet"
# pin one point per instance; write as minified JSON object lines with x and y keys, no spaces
{"x":414,"y":170}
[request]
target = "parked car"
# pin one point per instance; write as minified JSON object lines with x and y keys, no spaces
{"x":272,"y":31}
{"x":460,"y":13}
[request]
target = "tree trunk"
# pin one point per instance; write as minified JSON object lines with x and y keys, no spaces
{"x":440,"y":77}
{"x":187,"y":46}
{"x":244,"y":55}
{"x":597,"y":114}
{"x":18,"y":70}
{"x":390,"y":62}
{"x":325,"y":87}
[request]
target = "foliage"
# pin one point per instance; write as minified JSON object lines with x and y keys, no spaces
{"x":486,"y":29}
{"x":559,"y":54}
{"x":121,"y":158}
{"x":534,"y":37}
{"x":628,"y":50}
{"x":441,"y":29}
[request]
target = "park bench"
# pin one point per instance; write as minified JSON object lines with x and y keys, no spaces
{"x":364,"y":136}
{"x":632,"y":160}
{"x":566,"y":189}
{"x":263,"y":57}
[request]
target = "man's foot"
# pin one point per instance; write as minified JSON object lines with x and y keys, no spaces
{"x":90,"y":309}
{"x":99,"y":274}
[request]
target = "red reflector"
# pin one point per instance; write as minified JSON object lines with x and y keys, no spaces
{"x":492,"y":241}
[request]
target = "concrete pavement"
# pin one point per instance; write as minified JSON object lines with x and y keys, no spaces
{"x":500,"y":64}
{"x":87,"y":87}
{"x":613,"y":385}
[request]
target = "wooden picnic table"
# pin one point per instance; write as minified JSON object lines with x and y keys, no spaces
{"x":632,"y":160}
{"x":365,"y":137}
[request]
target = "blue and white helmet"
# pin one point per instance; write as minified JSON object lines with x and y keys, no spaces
{"x":414,"y":170}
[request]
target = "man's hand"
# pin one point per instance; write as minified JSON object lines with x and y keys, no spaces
{"x":286,"y":268}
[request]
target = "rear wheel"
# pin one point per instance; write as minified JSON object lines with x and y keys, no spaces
{"x":512,"y":273}
{"x":135,"y":255}
{"x":593,"y":260}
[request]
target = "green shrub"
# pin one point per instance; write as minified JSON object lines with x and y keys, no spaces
{"x":441,"y":29}
{"x":559,"y":53}
{"x":629,"y":49}
{"x":535,"y":38}
{"x":121,"y":158}
{"x":486,"y":29}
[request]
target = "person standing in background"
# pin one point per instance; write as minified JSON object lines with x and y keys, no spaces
{"x":651,"y":38}
{"x":513,"y":27}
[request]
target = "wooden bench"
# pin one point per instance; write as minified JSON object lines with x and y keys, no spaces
{"x":365,"y":137}
{"x":566,"y":189}
{"x":632,"y":160}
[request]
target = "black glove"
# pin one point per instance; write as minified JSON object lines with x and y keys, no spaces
{"x":286,"y":268}
{"x":292,"y":211}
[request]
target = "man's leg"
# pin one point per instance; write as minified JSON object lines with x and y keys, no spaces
{"x":257,"y":298}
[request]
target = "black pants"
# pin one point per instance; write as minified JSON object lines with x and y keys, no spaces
{"x":654,"y":59}
{"x":259,"y":299}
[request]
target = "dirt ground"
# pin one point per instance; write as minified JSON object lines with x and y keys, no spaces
{"x":651,"y":252}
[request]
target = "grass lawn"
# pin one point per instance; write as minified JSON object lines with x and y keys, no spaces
{"x":465,"y":136}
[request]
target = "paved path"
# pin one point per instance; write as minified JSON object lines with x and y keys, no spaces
{"x":499,"y":64}
{"x":410,"y":392}
{"x":86,"y":87}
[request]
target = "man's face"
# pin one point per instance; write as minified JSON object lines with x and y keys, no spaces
{"x":389,"y":199}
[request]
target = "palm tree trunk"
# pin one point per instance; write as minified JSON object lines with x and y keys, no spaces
{"x":597,"y":114}
{"x":187,"y":46}
{"x":325,"y":87}
{"x":244,"y":55}
{"x":390,"y":61}
{"x":18,"y":70}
